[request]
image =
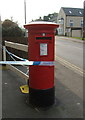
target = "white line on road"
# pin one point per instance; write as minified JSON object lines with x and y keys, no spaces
{"x":69,"y":46}
{"x":71,"y":66}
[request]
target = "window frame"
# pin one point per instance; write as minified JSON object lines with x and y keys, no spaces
{"x":71,"y":23}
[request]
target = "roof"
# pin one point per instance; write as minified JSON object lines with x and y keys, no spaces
{"x":73,"y":11}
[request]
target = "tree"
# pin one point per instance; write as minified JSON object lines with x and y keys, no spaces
{"x":46,"y":18}
{"x":11,"y":29}
{"x":39,"y":19}
{"x":50,"y":16}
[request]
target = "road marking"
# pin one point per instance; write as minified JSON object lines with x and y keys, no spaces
{"x":3,"y":67}
{"x":70,"y":40}
{"x":71,"y":66}
{"x":0,"y":67}
{"x":70,"y":46}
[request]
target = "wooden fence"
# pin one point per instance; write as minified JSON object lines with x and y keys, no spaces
{"x":18,"y":40}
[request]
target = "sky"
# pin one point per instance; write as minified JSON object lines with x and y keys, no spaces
{"x":34,"y":8}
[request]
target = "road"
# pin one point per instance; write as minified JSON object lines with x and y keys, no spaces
{"x":70,"y":52}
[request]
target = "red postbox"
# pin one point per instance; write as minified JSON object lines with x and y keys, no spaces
{"x":41,"y":48}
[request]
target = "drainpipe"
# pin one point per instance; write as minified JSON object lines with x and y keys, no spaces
{"x":84,"y":22}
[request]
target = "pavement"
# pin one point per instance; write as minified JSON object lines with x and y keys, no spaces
{"x":0,"y":94}
{"x":68,"y":96}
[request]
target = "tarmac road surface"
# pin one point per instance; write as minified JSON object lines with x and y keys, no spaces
{"x":70,"y":50}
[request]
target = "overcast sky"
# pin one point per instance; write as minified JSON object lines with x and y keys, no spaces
{"x":35,"y":8}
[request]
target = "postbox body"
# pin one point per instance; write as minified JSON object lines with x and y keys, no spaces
{"x":41,"y":48}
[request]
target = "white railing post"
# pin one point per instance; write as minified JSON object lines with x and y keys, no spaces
{"x":4,"y":53}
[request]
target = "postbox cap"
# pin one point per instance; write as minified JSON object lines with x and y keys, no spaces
{"x":41,"y":24}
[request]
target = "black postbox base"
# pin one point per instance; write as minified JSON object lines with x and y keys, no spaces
{"x":42,"y":98}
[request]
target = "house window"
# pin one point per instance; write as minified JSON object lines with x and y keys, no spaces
{"x":60,"y":30}
{"x":81,"y":23}
{"x":71,"y":23}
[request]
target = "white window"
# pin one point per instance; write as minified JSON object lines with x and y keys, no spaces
{"x":81,"y":23}
{"x":59,"y":20}
{"x":71,"y":23}
{"x":60,"y":30}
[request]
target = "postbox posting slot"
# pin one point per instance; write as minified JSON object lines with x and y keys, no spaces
{"x":43,"y":38}
{"x":46,"y":38}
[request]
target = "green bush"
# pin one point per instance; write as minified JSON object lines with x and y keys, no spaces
{"x":11,"y":29}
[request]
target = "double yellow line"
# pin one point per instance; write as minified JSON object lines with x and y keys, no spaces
{"x":71,"y":66}
{"x":3,"y":67}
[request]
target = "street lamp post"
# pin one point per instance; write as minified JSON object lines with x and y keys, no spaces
{"x":26,"y":35}
{"x":84,"y":22}
{"x":25,"y":10}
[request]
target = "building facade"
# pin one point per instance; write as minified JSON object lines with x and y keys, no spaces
{"x":70,"y":22}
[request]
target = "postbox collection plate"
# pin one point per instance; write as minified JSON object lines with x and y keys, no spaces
{"x":43,"y":49}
